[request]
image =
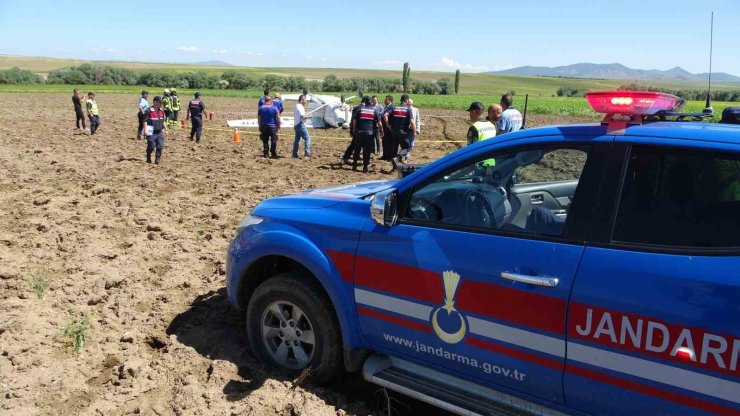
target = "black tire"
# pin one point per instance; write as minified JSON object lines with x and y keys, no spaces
{"x":326,"y":355}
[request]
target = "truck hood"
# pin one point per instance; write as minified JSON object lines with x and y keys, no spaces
{"x":324,"y":197}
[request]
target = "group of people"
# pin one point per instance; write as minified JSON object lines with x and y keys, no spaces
{"x":170,"y":104}
{"x":499,"y":119}
{"x":389,"y":129}
{"x":91,"y":108}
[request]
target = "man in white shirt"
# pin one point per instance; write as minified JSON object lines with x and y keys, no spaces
{"x":143,"y":106}
{"x":300,"y":117}
{"x":417,"y":124}
{"x":511,"y":119}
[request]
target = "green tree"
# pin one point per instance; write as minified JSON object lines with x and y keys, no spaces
{"x":457,"y":81}
{"x":405,"y":80}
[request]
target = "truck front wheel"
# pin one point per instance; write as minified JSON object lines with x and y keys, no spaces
{"x":291,"y":325}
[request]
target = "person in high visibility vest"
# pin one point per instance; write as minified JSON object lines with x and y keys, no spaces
{"x":167,"y":104}
{"x":480,"y":129}
{"x":175,"y":105}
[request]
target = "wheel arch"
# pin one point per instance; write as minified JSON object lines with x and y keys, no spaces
{"x":273,"y":253}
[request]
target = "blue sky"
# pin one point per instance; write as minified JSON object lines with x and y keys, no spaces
{"x":431,"y":35}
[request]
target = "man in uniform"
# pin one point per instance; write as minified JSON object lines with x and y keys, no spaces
{"x":401,"y":121}
{"x":480,"y":128}
{"x":268,"y":119}
{"x":365,"y":123}
{"x":353,"y":135}
{"x":79,"y":115}
{"x":511,"y":118}
{"x":143,"y":106}
{"x":265,"y":96}
{"x":92,"y":112}
{"x":156,"y":129}
{"x":278,"y":102}
{"x":175,"y":106}
{"x":195,"y":111}
{"x":167,"y":104}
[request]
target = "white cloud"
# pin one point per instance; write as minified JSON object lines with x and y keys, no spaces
{"x":111,"y":50}
{"x":189,"y":49}
{"x":250,"y":53}
{"x":450,"y":63}
{"x":391,"y":62}
{"x":220,"y":51}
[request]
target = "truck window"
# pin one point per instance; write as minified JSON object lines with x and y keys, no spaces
{"x":680,"y":198}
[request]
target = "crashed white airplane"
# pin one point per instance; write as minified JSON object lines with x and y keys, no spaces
{"x":326,"y":111}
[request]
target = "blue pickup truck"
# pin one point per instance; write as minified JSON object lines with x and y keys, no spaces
{"x":589,"y":270}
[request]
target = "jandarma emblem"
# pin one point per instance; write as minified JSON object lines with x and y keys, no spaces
{"x":451,"y":318}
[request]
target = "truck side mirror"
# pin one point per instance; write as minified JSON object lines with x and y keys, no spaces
{"x":384,"y":208}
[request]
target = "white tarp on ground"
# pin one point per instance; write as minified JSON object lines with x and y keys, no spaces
{"x":326,"y":111}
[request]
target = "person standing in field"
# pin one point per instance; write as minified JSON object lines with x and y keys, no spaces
{"x":92,"y":112}
{"x":402,"y":123}
{"x":268,"y":119}
{"x":511,"y":119}
{"x":417,"y":124}
{"x":195,"y":111}
{"x":175,"y":106}
{"x":353,"y":136}
{"x":480,"y":128}
{"x":156,"y":130}
{"x":265,"y":96}
{"x":79,"y":115}
{"x":167,"y":104}
{"x":379,"y":132}
{"x":365,"y":124}
{"x":301,"y":131}
{"x":278,"y":102}
{"x":387,"y":138}
{"x":143,"y":106}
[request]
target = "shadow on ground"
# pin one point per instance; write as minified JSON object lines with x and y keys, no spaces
{"x":216,"y":330}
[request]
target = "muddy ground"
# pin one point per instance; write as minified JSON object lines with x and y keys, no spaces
{"x":135,"y":253}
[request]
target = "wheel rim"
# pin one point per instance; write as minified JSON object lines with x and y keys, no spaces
{"x":288,"y":335}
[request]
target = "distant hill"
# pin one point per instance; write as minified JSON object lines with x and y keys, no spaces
{"x":613,"y":71}
{"x":212,"y":63}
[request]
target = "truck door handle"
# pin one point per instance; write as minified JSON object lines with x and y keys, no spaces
{"x":536,"y":198}
{"x":545,"y":281}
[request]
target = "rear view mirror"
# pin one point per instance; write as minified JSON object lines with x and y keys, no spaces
{"x":384,"y":208}
{"x":528,"y":157}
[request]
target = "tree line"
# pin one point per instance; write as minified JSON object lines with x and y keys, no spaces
{"x":90,"y":74}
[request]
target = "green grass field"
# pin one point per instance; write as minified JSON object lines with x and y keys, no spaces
{"x":562,"y":106}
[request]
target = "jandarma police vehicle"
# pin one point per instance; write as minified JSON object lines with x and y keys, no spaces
{"x":590,"y":269}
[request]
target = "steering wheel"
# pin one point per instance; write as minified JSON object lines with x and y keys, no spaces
{"x":478,"y":211}
{"x":421,"y":209}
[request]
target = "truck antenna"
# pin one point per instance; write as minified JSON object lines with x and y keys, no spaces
{"x":524,"y":117}
{"x":708,"y":107}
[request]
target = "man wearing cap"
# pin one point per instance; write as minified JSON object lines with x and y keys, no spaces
{"x":365,"y":123}
{"x":480,"y":128}
{"x":400,"y":119}
{"x":175,"y":106}
{"x":511,"y":119}
{"x":143,"y":106}
{"x":195,"y":110}
{"x":268,"y":119}
{"x":156,"y":129}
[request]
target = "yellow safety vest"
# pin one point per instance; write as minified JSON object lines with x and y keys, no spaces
{"x":486,"y":130}
{"x":167,"y":102}
{"x":175,"y":102}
